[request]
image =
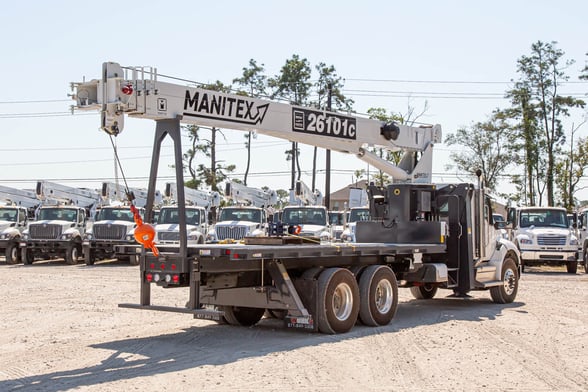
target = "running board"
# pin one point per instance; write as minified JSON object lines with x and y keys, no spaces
{"x":206,"y":314}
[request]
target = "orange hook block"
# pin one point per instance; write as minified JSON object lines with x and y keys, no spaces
{"x":145,"y":234}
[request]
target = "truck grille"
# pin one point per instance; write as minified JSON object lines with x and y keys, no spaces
{"x":231,"y":232}
{"x":551,"y":240}
{"x":109,"y":232}
{"x":44,"y":231}
{"x":169,"y":236}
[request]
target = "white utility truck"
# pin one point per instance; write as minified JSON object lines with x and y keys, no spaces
{"x":111,"y":235}
{"x":245,"y":217}
{"x":423,"y":236}
{"x":60,"y":225}
{"x":544,"y":235}
{"x":16,"y":206}
{"x":198,"y":209}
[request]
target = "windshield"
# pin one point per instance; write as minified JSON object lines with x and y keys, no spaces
{"x":359,"y":215}
{"x":123,"y":214}
{"x":172,"y":216}
{"x":304,"y":216}
{"x":63,"y":214}
{"x":8,"y":215}
{"x":336,"y":218}
{"x":544,"y":218}
{"x":498,"y":218}
{"x":240,"y":214}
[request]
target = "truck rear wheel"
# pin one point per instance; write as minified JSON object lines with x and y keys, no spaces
{"x":239,"y":315}
{"x":506,"y":292}
{"x":426,"y":291}
{"x":72,"y":254}
{"x":378,"y":295}
{"x":12,"y":253}
{"x":338,"y":301}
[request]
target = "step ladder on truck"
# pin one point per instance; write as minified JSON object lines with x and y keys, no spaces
{"x":425,"y":236}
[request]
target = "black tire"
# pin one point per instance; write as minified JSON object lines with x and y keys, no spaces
{"x":426,"y":291}
{"x":134,"y":260}
{"x":585,"y":262}
{"x":12,"y":253}
{"x":27,"y":257}
{"x":507,"y":291}
{"x":572,"y":266}
{"x":72,"y":254}
{"x":338,"y":301}
{"x":378,"y":295}
{"x":89,"y":257}
{"x":238,"y":315}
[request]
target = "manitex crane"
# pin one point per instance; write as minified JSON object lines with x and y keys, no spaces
{"x":425,"y":235}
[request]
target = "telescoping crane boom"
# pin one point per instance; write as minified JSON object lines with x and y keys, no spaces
{"x":243,"y":194}
{"x":137,"y":92}
{"x":194,"y":197}
{"x":112,"y":192}
{"x":20,"y":197}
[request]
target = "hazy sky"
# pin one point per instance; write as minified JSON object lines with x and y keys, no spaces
{"x":458,"y":56}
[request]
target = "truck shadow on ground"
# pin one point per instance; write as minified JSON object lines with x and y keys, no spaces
{"x":215,"y":344}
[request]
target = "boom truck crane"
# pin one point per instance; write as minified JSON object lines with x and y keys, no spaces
{"x":198,"y":209}
{"x":17,"y":205}
{"x":426,"y":236}
{"x":61,"y":222}
{"x":246,"y":217}
{"x":111,"y":235}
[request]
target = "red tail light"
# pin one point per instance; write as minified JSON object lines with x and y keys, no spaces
{"x":176,"y":278}
{"x":149,"y":277}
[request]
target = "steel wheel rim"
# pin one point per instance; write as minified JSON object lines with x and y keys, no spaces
{"x":342,"y":303}
{"x":509,"y":281}
{"x":383,"y":296}
{"x":14,"y":253}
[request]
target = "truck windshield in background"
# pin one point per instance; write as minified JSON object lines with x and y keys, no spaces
{"x":171,"y":215}
{"x":122,"y":214}
{"x":544,"y":218}
{"x":239,"y":214}
{"x":304,"y":216}
{"x":64,"y":214}
{"x":8,"y":214}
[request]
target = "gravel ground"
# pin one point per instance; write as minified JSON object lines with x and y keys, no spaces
{"x":61,"y":329}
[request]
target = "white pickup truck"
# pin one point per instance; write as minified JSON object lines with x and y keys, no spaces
{"x":544,"y":236}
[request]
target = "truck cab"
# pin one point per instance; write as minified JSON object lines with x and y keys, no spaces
{"x":57,"y":232}
{"x":312,"y":221}
{"x":111,"y":235}
{"x":167,"y":229}
{"x":544,"y":235}
{"x":356,"y":214}
{"x":237,"y":222}
{"x":13,"y":221}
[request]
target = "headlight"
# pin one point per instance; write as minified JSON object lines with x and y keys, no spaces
{"x":526,"y":241}
{"x":66,"y":236}
{"x":88,"y":237}
{"x":193,"y":236}
{"x":573,"y":241}
{"x":4,"y":236}
{"x":211,"y":236}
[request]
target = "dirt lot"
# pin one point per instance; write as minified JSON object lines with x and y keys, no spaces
{"x":61,"y":330}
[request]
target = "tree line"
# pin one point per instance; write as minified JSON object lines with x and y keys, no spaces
{"x":530,"y":141}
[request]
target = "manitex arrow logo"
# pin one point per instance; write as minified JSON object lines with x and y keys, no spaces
{"x":213,"y":106}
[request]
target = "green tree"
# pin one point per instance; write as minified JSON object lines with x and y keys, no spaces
{"x":486,"y":148}
{"x":215,"y":172}
{"x":293,"y":84}
{"x":541,"y":75}
{"x":253,"y":82}
{"x":570,"y":170}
